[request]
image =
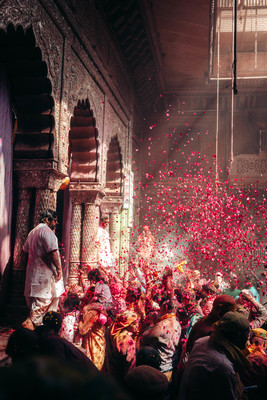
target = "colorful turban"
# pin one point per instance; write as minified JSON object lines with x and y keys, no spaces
{"x":259,"y":332}
{"x":123,"y":321}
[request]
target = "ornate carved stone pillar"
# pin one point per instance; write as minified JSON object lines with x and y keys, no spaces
{"x":75,"y":243}
{"x":125,"y":242}
{"x":44,"y":199}
{"x":19,"y":257}
{"x":90,"y":226}
{"x":112,"y":206}
{"x":114,"y":231}
{"x":85,"y":221}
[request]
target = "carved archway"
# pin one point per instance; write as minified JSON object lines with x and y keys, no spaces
{"x":32,"y":110}
{"x":30,"y":90}
{"x":114,"y":168}
{"x":84,"y":144}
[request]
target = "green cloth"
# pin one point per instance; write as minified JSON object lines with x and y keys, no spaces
{"x":232,"y":293}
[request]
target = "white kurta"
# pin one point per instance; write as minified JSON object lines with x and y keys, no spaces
{"x":105,"y":257}
{"x":40,"y":281}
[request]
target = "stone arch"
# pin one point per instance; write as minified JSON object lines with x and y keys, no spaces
{"x":30,"y":90}
{"x":84,"y":144}
{"x":114,"y":168}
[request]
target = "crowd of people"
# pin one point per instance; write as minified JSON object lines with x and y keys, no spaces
{"x":156,"y":335}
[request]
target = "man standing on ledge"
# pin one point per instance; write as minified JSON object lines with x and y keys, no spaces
{"x":105,"y":257}
{"x":44,"y":283}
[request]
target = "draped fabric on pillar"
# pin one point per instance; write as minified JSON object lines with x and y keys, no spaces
{"x":5,"y":171}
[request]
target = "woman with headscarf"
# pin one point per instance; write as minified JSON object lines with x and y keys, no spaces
{"x":121,"y":345}
{"x":255,"y":379}
{"x":92,"y":330}
{"x":164,"y":336}
{"x":92,"y":324}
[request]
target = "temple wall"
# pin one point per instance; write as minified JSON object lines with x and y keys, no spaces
{"x":83,"y":64}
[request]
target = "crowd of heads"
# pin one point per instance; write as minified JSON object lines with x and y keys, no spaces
{"x":187,"y":299}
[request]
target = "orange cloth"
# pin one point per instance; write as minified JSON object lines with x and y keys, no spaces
{"x":122,"y":322}
{"x":93,"y":333}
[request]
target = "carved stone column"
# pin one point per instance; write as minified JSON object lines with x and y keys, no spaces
{"x":112,"y":206}
{"x":45,"y":198}
{"x":75,"y":243}
{"x":125,"y":242}
{"x":114,"y":231}
{"x":85,"y":221}
{"x":42,"y":176}
{"x":90,"y":226}
{"x":19,"y":257}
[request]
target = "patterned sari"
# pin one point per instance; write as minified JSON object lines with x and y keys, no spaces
{"x":120,"y":346}
{"x":93,"y":336}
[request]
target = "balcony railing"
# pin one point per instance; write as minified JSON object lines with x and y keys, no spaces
{"x":228,"y":4}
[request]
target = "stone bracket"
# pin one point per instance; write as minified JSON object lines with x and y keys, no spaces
{"x":84,"y":193}
{"x":39,"y":174}
{"x":112,"y":204}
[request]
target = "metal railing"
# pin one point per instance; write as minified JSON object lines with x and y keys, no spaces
{"x":227,"y":4}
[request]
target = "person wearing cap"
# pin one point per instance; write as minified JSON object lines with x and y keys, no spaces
{"x":213,"y":367}
{"x":44,"y":283}
{"x":221,"y":305}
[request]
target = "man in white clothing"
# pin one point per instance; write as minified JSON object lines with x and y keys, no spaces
{"x":105,"y":257}
{"x":44,"y":283}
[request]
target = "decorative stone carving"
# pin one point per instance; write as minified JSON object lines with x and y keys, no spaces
{"x":41,"y":174}
{"x":251,"y":167}
{"x":86,"y":193}
{"x":114,"y":231}
{"x":50,"y":40}
{"x":87,"y":88}
{"x":23,"y":210}
{"x":65,"y":113}
{"x":19,"y":257}
{"x":45,"y":199}
{"x":254,"y":166}
{"x":90,"y":226}
{"x":75,"y":244}
{"x":16,"y":12}
{"x":75,"y":72}
{"x":125,"y":243}
{"x":86,"y":200}
{"x":116,"y":127}
{"x":111,"y":204}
